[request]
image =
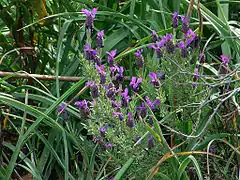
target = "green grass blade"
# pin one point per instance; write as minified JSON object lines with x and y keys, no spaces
{"x":124,"y":169}
{"x":185,"y":163}
{"x":63,"y":30}
{"x":21,"y":139}
{"x":223,"y":13}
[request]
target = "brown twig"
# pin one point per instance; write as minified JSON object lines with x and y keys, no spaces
{"x":43,"y":77}
{"x":190,"y":8}
{"x":39,"y":77}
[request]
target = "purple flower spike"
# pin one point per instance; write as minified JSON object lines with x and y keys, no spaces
{"x":90,"y":15}
{"x":83,"y":106}
{"x":93,"y":89}
{"x":183,"y":47}
{"x":225,"y":59}
{"x":202,"y":58}
{"x":143,"y":110}
{"x":130,"y":122}
{"x":139,"y":58}
{"x":125,"y":98}
{"x":103,"y":130}
{"x":192,"y":39}
{"x":195,"y":77}
{"x":99,"y":39}
{"x":170,"y":48}
{"x":154,"y":80}
{"x":157,"y":48}
{"x":154,"y":36}
{"x":169,"y":37}
{"x":61,"y":107}
{"x":116,"y":105}
{"x":196,"y":74}
{"x":150,"y":142}
{"x":138,"y":53}
{"x":175,"y":20}
{"x":135,"y":83}
{"x":163,"y":41}
{"x":118,"y":114}
{"x":111,"y":93}
{"x":119,"y":75}
{"x":101,"y":73}
{"x":111,"y":56}
{"x":153,"y":104}
{"x":185,"y":25}
{"x":90,"y":53}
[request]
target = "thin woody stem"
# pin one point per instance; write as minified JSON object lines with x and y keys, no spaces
{"x":42,"y":77}
{"x":39,"y":77}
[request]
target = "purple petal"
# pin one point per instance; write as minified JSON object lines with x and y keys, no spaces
{"x":100,"y":34}
{"x":152,"y":75}
{"x":139,"y":80}
{"x":133,"y":81}
{"x":169,"y":37}
{"x":94,"y":10}
{"x":156,"y":102}
{"x":86,"y":48}
{"x":152,"y":46}
{"x":86,"y":12}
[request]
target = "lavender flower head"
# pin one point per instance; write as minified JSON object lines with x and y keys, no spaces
{"x":196,"y":74}
{"x":154,"y":79}
{"x":202,"y":58}
{"x":83,"y":106}
{"x":93,"y":89}
{"x":99,"y":39}
{"x":151,"y":104}
{"x":101,"y":73}
{"x":103,"y":130}
{"x":90,"y":15}
{"x":111,"y":56}
{"x":143,"y":110}
{"x":116,"y":105}
{"x":157,"y":47}
{"x":139,"y":58}
{"x":225,"y":59}
{"x":61,"y":107}
{"x":150,"y":142}
{"x":135,"y":83}
{"x":130,"y":122}
{"x":154,"y":36}
{"x":170,"y":48}
{"x":119,"y":75}
{"x":185,"y":25}
{"x":183,"y":47}
{"x":90,"y":53}
{"x":125,"y":97}
{"x":111,"y":91}
{"x":104,"y":145}
{"x":195,"y":77}
{"x":192,"y":39}
{"x":175,"y":20}
{"x":119,"y":115}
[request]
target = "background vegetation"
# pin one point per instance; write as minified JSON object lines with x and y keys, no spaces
{"x":196,"y":131}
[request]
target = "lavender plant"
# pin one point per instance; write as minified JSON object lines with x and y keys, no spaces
{"x":123,"y":108}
